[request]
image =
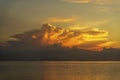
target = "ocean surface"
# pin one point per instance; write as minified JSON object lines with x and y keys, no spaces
{"x":59,"y":70}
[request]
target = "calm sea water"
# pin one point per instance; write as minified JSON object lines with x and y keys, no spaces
{"x":59,"y":70}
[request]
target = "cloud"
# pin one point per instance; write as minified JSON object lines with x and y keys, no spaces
{"x":113,"y":9}
{"x":59,"y":19}
{"x":93,"y":1}
{"x":88,"y":39}
{"x":77,"y":1}
{"x":89,"y":24}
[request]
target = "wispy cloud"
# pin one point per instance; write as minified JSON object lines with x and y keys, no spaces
{"x":89,"y":24}
{"x":77,"y":1}
{"x":94,"y":1}
{"x":59,"y":19}
{"x":114,"y":9}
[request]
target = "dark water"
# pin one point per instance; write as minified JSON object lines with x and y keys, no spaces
{"x":48,"y":70}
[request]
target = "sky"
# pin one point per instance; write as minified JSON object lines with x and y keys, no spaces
{"x":17,"y":16}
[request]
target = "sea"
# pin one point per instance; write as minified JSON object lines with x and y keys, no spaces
{"x":59,"y":70}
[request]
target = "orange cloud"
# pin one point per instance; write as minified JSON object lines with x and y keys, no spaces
{"x":77,"y":1}
{"x":88,"y":39}
{"x":94,"y":1}
{"x":59,"y":20}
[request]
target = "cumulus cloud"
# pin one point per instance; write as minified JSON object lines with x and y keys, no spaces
{"x":94,"y":1}
{"x":59,"y":19}
{"x":88,"y":39}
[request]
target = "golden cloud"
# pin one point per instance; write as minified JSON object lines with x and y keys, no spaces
{"x":77,"y":1}
{"x":88,"y":38}
{"x":79,"y":38}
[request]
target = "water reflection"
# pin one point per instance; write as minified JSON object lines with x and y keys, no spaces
{"x":38,"y":70}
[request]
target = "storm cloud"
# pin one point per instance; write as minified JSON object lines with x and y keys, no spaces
{"x":88,"y":39}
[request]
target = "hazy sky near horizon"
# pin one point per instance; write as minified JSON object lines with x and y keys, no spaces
{"x":17,"y":16}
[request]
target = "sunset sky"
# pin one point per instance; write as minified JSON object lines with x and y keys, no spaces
{"x":17,"y":16}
